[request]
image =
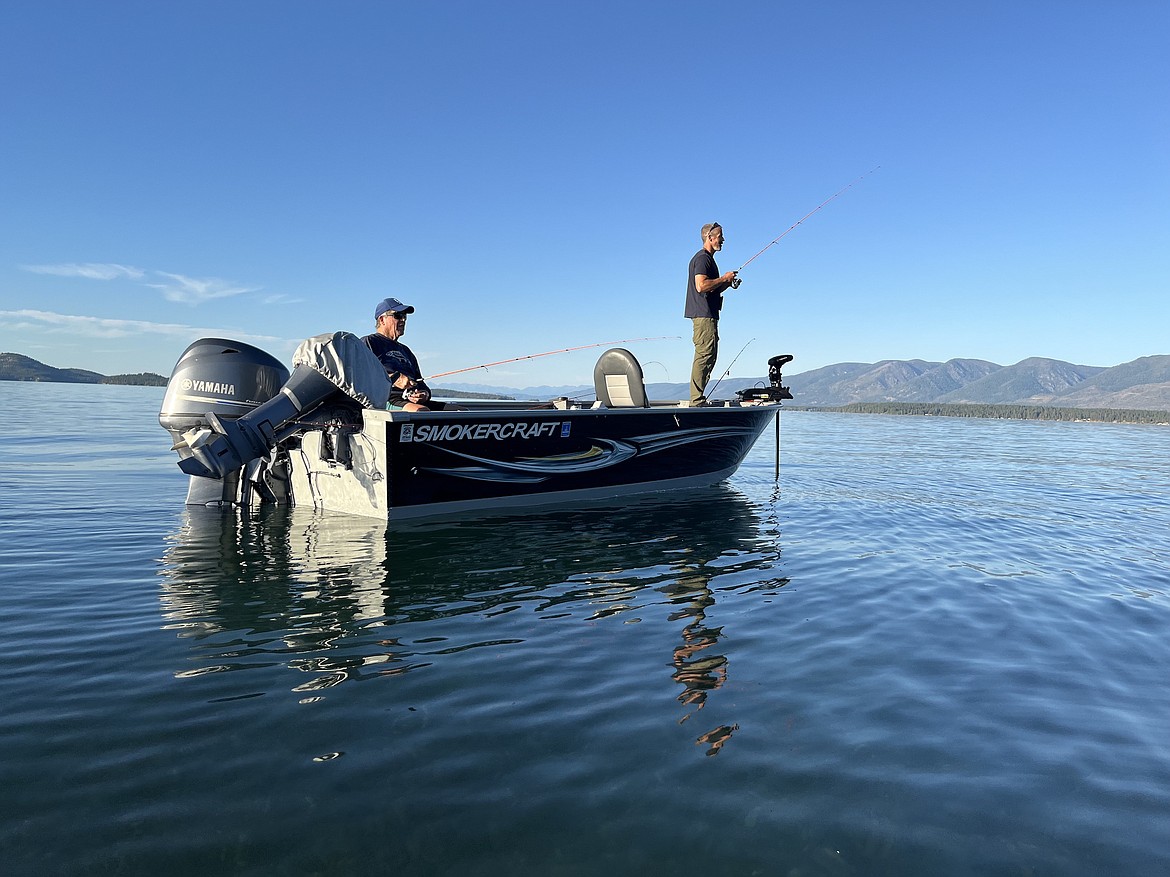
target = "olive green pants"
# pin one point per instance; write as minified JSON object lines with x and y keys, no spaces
{"x":706,"y":337}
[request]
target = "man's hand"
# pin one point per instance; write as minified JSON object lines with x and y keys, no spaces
{"x":727,"y":281}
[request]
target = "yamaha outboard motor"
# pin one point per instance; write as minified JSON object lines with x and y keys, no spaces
{"x":775,"y":391}
{"x":224,"y":446}
{"x":221,"y":378}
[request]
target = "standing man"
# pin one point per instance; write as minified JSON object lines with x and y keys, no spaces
{"x":705,"y":287}
{"x":407,"y":388}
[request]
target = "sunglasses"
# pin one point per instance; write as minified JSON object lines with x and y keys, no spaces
{"x":392,"y":315}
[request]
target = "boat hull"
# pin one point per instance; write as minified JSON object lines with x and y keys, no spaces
{"x":403,"y":465}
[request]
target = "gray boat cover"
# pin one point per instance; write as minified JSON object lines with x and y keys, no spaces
{"x":344,"y":359}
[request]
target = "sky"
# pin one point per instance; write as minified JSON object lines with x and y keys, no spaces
{"x":532,"y":176}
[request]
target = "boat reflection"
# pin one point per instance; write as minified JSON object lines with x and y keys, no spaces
{"x":334,"y":596}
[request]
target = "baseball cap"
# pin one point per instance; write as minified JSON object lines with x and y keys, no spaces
{"x":391,"y":304}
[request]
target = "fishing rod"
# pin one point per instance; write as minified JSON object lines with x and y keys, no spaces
{"x":803,"y":218}
{"x":550,"y":353}
{"x":728,"y":371}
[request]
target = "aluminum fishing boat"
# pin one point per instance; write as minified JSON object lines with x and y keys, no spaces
{"x":248,"y":432}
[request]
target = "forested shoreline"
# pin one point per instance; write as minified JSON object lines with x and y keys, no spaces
{"x":1002,"y":412}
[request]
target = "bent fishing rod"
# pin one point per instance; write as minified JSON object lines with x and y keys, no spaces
{"x":802,"y":219}
{"x":487,"y":365}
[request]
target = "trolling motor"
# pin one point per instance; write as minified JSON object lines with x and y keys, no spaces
{"x":775,"y":391}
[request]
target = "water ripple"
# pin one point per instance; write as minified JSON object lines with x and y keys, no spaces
{"x":933,"y":647}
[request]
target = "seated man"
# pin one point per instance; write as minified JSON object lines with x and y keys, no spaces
{"x":408,"y":390}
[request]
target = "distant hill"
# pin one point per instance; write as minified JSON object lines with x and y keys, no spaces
{"x":18,"y":367}
{"x":1143,"y":384}
{"x":1022,"y":381}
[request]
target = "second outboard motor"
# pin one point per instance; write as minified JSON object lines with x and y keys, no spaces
{"x":775,"y":391}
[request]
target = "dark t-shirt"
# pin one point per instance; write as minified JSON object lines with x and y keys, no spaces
{"x":702,"y":304}
{"x":396,"y":357}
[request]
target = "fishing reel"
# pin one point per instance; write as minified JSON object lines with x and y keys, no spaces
{"x":736,"y":281}
{"x":775,"y":391}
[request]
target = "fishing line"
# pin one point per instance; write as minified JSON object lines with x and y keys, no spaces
{"x":487,"y":365}
{"x":660,"y":365}
{"x":803,"y":218}
{"x":726,"y":373}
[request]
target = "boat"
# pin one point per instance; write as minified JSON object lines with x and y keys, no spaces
{"x":247,"y":432}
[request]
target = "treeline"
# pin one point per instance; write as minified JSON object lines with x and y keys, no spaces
{"x":141,"y":379}
{"x":465,"y":394}
{"x":1005,"y":412}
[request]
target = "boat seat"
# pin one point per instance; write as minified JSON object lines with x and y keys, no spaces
{"x":617,"y":378}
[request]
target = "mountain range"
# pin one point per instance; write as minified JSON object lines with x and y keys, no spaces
{"x":1141,"y":384}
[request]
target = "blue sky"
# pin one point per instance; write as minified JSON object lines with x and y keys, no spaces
{"x":532,"y":176}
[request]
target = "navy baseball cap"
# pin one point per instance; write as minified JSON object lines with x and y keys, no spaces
{"x":392,"y":304}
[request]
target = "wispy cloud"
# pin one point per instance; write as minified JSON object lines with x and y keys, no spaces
{"x":101,"y":327}
{"x":279,"y":298}
{"x":174,"y":287}
{"x":88,"y":270}
{"x":194,"y":290}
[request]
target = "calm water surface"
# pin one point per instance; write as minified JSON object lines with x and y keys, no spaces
{"x":935,"y":646}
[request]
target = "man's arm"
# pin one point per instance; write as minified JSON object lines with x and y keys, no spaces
{"x":705,"y":284}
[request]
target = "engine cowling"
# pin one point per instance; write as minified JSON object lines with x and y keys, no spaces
{"x":221,"y":377}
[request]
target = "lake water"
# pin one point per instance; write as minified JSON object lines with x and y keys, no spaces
{"x":933,"y":647}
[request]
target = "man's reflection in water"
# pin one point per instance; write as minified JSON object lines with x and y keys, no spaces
{"x":717,"y":737}
{"x":696,"y":668}
{"x":725,"y":543}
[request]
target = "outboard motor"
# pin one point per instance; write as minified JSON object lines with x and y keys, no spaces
{"x":775,"y":391}
{"x":224,"y":446}
{"x":221,"y":378}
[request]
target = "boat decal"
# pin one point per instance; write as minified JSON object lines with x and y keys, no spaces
{"x":663,"y":441}
{"x":454,"y":432}
{"x":602,"y":454}
{"x":609,"y":454}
